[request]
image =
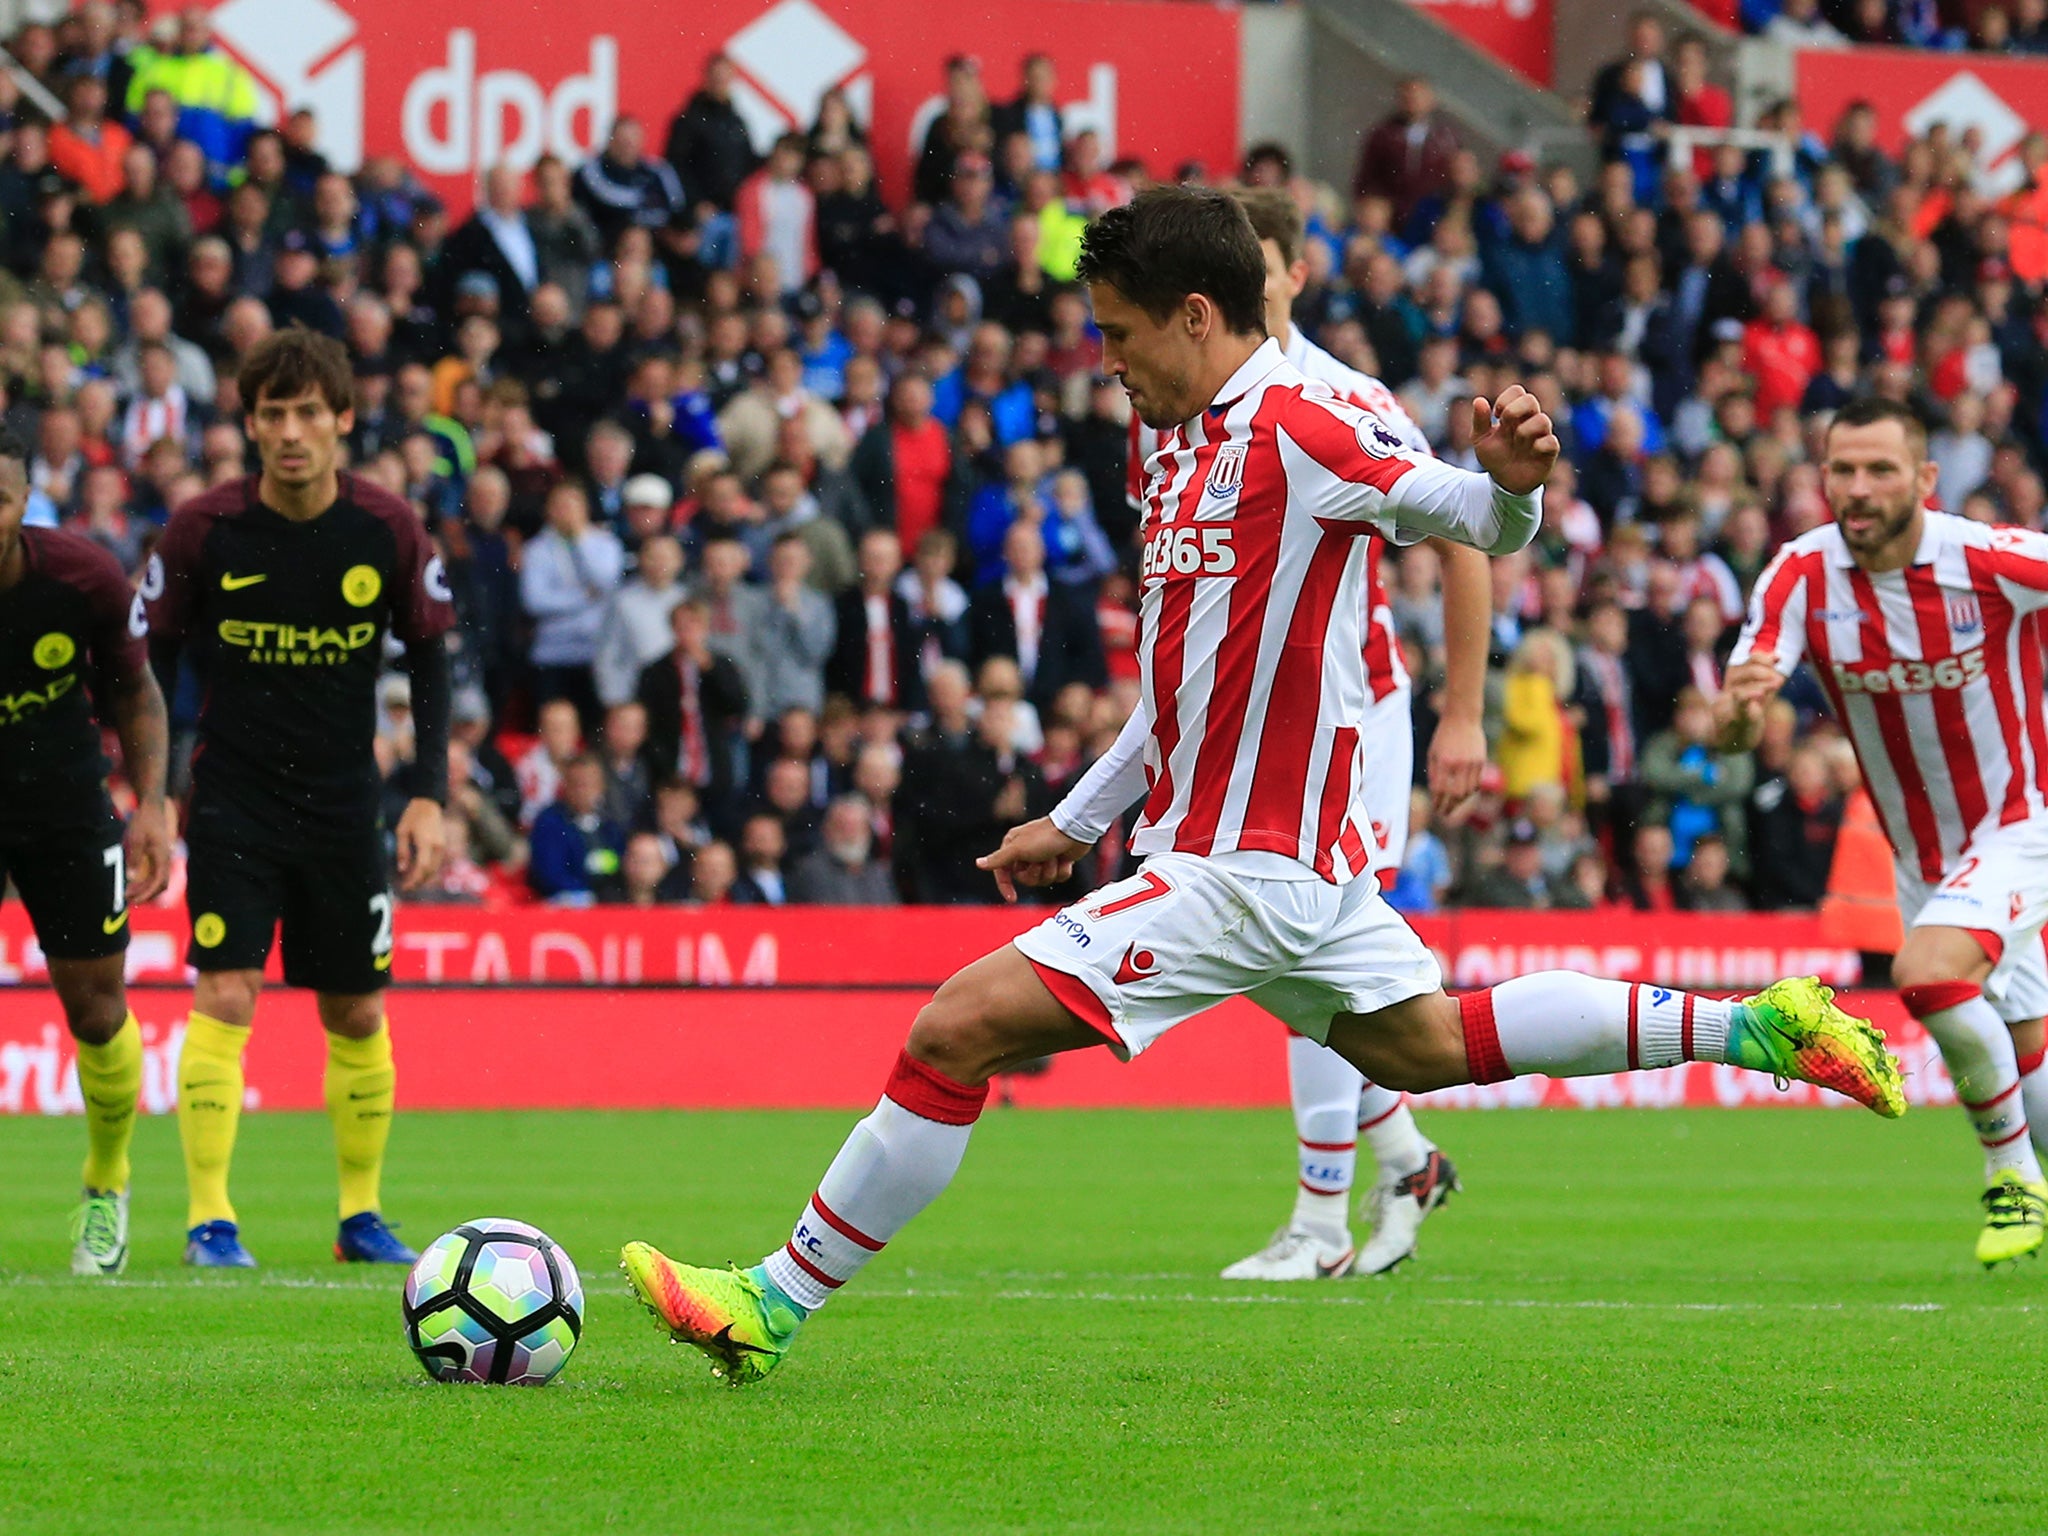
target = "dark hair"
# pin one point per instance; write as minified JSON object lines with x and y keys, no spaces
{"x":1874,"y":410}
{"x":287,"y":364}
{"x":1169,"y":242}
{"x":1276,"y":217}
{"x":13,"y":447}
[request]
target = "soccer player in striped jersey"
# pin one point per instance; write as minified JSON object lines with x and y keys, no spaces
{"x":1246,"y":752}
{"x":1925,"y":631}
{"x":1334,"y":1107}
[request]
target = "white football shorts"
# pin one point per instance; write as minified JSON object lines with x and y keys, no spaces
{"x":1999,"y":892}
{"x":1183,"y":934}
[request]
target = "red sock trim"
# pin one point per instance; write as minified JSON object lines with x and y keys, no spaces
{"x":1937,"y":996}
{"x":1331,"y":1146}
{"x":811,"y":1269}
{"x":1079,"y":999}
{"x":1996,"y":1098}
{"x":1312,"y":1189}
{"x":1635,"y":1052}
{"x":1483,"y":1057}
{"x":2033,"y":1063}
{"x":845,"y":1229}
{"x":2005,"y":1140}
{"x":931,"y":1095}
{"x":1385,"y":1114}
{"x":1685,"y":1031}
{"x":1993,"y":944}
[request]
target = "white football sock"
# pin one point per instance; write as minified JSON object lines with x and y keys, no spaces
{"x":2034,"y":1095}
{"x":1324,"y":1089}
{"x":1977,"y":1048}
{"x":894,"y":1164}
{"x":1387,"y":1126}
{"x":1567,"y":1025}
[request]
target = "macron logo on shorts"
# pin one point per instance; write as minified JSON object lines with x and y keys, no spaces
{"x":1136,"y":965}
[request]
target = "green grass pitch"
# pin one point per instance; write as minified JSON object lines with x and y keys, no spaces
{"x":1630,"y":1322}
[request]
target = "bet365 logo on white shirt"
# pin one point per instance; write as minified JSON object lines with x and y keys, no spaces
{"x":1190,"y":549}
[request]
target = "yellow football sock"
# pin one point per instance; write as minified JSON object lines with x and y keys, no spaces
{"x":110,"y":1077}
{"x":209,"y":1112}
{"x":362,"y":1086}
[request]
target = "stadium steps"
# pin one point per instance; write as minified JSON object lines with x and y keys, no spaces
{"x":1353,"y":53}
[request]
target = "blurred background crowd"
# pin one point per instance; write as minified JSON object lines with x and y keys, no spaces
{"x":785,"y":511}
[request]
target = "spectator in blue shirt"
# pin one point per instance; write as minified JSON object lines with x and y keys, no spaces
{"x":985,"y":376}
{"x":1426,"y":874}
{"x":1528,"y":271}
{"x":575,"y":849}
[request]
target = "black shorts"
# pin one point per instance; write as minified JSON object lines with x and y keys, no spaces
{"x":331,"y":898}
{"x":74,"y":886}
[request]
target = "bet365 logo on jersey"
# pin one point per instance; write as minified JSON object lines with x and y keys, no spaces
{"x":1190,"y":549}
{"x":1912,"y":676}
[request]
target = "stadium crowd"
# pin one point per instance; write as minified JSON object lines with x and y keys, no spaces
{"x":785,"y":512}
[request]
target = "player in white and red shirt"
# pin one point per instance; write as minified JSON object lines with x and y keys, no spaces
{"x":1926,"y":632}
{"x":1246,"y":749}
{"x":1333,"y":1105}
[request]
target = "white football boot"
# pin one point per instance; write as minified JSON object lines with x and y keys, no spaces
{"x":1397,"y":1208}
{"x":1297,"y":1253}
{"x":99,"y":1232}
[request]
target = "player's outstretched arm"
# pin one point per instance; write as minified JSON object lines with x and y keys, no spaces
{"x":143,"y":726}
{"x":1739,"y":711}
{"x":1457,"y":750}
{"x":1373,"y":477}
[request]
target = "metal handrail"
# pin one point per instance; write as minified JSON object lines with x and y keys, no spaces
{"x":32,"y":88}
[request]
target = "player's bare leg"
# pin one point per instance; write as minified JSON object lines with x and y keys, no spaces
{"x":1567,"y":1025}
{"x":1940,"y":973}
{"x":210,"y":1112}
{"x":361,"y":1091}
{"x":995,"y":1013}
{"x":94,"y":996}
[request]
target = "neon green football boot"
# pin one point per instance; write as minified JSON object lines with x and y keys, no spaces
{"x":1792,"y":1029}
{"x":2015,"y":1219}
{"x":745,"y":1325}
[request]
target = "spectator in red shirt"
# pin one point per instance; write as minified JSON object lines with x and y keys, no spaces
{"x":87,"y":148}
{"x":1700,"y":103}
{"x":905,"y":461}
{"x":1408,"y":156}
{"x":1780,"y":351}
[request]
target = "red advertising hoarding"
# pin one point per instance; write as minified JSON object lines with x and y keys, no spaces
{"x":1516,"y":32}
{"x":458,"y":87}
{"x":792,"y":1007}
{"x":1999,"y":100}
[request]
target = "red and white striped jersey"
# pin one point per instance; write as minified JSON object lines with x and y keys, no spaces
{"x":1935,"y":672}
{"x":1385,"y":672}
{"x":1252,"y":611}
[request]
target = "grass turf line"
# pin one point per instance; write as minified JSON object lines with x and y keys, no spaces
{"x":1671,"y":1321}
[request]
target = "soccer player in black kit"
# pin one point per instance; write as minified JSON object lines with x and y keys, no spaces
{"x":70,"y":625}
{"x":282,"y":587}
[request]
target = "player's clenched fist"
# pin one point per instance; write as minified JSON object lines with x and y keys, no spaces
{"x":1037,"y":853}
{"x":1514,"y":440}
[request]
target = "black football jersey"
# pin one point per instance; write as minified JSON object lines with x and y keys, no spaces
{"x":70,"y":630}
{"x":286,"y":622}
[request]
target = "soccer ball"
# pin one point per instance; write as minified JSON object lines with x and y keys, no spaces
{"x":494,"y":1301}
